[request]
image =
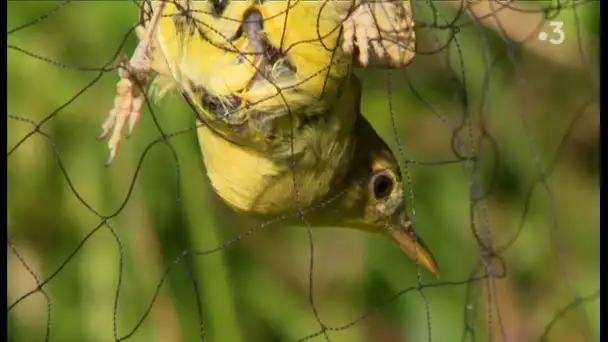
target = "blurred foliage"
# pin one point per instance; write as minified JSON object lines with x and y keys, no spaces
{"x":256,"y":288}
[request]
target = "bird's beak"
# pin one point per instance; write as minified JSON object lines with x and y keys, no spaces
{"x":400,"y":229}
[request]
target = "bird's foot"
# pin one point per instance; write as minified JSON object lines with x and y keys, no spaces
{"x":360,"y":29}
{"x":128,"y":101}
{"x":134,"y":76}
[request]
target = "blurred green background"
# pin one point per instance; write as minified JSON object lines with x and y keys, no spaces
{"x":257,"y":288}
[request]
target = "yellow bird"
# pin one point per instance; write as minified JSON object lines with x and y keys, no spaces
{"x":272,"y":82}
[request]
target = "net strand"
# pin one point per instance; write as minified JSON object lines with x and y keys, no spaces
{"x":484,"y":275}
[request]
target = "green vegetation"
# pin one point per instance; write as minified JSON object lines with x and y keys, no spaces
{"x":256,"y":288}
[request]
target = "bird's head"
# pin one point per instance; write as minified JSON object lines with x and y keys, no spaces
{"x":372,"y":197}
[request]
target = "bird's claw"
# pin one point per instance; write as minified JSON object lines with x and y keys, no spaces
{"x":360,"y":29}
{"x":134,"y":76}
{"x":382,"y":31}
{"x":128,"y":101}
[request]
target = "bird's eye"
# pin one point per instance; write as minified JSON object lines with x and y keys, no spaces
{"x":219,"y":6}
{"x":382,"y":185}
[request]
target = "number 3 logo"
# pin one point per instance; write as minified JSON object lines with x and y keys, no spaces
{"x":557,"y":29}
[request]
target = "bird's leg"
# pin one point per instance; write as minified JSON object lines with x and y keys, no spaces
{"x":359,"y":28}
{"x":134,"y":75}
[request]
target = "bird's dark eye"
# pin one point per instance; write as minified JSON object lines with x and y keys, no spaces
{"x":382,"y":185}
{"x":219,"y":6}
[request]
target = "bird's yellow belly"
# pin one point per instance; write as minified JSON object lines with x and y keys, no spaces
{"x":252,"y":183}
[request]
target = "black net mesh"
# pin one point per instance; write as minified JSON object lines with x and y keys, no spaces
{"x":496,"y":127}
